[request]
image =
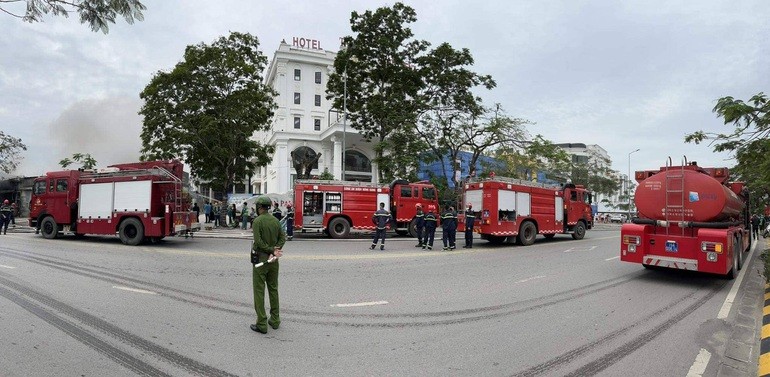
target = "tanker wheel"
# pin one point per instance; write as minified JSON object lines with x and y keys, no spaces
{"x":734,"y":269}
{"x":579,"y":231}
{"x":527,"y":233}
{"x":131,"y":231}
{"x":737,"y":248}
{"x":339,"y":228}
{"x":48,"y":228}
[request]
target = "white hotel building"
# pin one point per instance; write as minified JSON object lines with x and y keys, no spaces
{"x":305,"y":122}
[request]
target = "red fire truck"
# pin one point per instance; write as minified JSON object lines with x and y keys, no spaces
{"x":690,"y":218}
{"x":509,"y":210}
{"x":337,"y":207}
{"x":138,"y":201}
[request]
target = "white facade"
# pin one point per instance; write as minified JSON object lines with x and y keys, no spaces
{"x":305,"y":118}
{"x":595,"y":155}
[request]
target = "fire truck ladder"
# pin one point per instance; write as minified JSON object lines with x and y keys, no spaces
{"x":155,"y":171}
{"x":675,"y":194}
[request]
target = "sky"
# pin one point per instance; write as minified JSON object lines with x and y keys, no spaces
{"x":624,"y":75}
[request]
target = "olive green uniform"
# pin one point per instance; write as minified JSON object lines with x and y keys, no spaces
{"x":267,"y":236}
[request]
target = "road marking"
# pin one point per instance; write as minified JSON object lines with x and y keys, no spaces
{"x":613,"y":258}
{"x":370,"y":303}
{"x":134,"y":290}
{"x":734,"y":290}
{"x":701,"y":362}
{"x":528,"y":279}
{"x":4,"y":266}
{"x":579,"y":249}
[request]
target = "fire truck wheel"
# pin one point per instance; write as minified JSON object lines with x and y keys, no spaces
{"x":579,"y":231}
{"x":413,"y":228}
{"x":131,"y":231}
{"x":527,"y":233}
{"x":48,"y":228}
{"x":339,"y":228}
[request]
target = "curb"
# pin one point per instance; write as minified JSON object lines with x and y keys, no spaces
{"x":764,"y":343}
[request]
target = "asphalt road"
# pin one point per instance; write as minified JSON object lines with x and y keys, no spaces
{"x":95,"y":307}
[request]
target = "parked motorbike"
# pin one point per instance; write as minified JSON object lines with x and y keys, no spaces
{"x":766,"y":232}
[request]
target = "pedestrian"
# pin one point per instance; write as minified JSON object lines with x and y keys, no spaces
{"x":470,"y":220}
{"x":267,"y":244}
{"x":14,"y":213}
{"x":197,"y":211}
{"x":430,"y":227}
{"x":277,"y":211}
{"x":216,"y":212}
{"x":5,"y":216}
{"x":244,"y":216}
{"x":448,"y":228}
{"x":253,"y":214}
{"x":231,"y":216}
{"x":755,"y":225}
{"x":207,"y":211}
{"x":381,"y":219}
{"x":289,"y":221}
{"x":419,"y":220}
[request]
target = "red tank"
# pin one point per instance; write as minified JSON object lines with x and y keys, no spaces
{"x":705,"y":198}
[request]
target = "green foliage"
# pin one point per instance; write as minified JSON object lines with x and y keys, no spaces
{"x":326,"y":175}
{"x":748,"y":140}
{"x":382,"y":83}
{"x":85,"y":159}
{"x":207,"y":108}
{"x":10,"y":152}
{"x":96,"y":13}
{"x":538,"y":154}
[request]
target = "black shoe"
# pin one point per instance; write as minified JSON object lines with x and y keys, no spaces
{"x":255,"y":328}
{"x":275,"y":327}
{"x":372,"y":247}
{"x":430,"y":247}
{"x":382,"y":247}
{"x":424,"y":247}
{"x":418,"y":245}
{"x":465,"y":247}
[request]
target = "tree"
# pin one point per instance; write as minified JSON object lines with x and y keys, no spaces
{"x":749,"y":140}
{"x":382,"y":83}
{"x":87,"y":161}
{"x":500,"y":129}
{"x":207,"y":108}
{"x":97,"y":13}
{"x":10,"y":152}
{"x":538,"y":154}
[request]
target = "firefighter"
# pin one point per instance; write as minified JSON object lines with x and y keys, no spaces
{"x":268,"y":242}
{"x":430,"y":227}
{"x":277,"y":211}
{"x":289,"y":221}
{"x":449,"y":228}
{"x":5,"y":216}
{"x":381,"y":218}
{"x":470,"y":219}
{"x":419,"y":225}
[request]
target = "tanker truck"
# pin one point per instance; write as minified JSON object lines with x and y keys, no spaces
{"x":689,"y":218}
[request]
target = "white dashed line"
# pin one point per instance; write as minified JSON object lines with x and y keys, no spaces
{"x":528,"y":279}
{"x":370,"y":303}
{"x":134,"y":290}
{"x":613,"y":258}
{"x":728,"y":304}
{"x":4,"y":266}
{"x":700,"y":364}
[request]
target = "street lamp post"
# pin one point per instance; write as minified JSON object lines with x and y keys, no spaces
{"x":344,"y":116}
{"x":628,"y":177}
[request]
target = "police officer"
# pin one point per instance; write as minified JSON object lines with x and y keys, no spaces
{"x":5,"y":215}
{"x":268,"y":242}
{"x":289,"y":221}
{"x":449,"y":228}
{"x":470,"y":219}
{"x":381,"y":218}
{"x":430,"y":227}
{"x":419,"y":220}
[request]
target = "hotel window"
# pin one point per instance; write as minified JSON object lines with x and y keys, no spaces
{"x":318,"y":100}
{"x":296,"y":123}
{"x":296,"y":98}
{"x":317,"y":124}
{"x":318,"y":77}
{"x":297,"y":75}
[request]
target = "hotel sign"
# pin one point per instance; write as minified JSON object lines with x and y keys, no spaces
{"x":309,"y":44}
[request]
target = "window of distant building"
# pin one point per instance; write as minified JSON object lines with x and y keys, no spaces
{"x":296,"y":123}
{"x":318,"y":100}
{"x":318,"y":77}
{"x":297,"y":75}
{"x":296,"y":98}
{"x":317,"y":124}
